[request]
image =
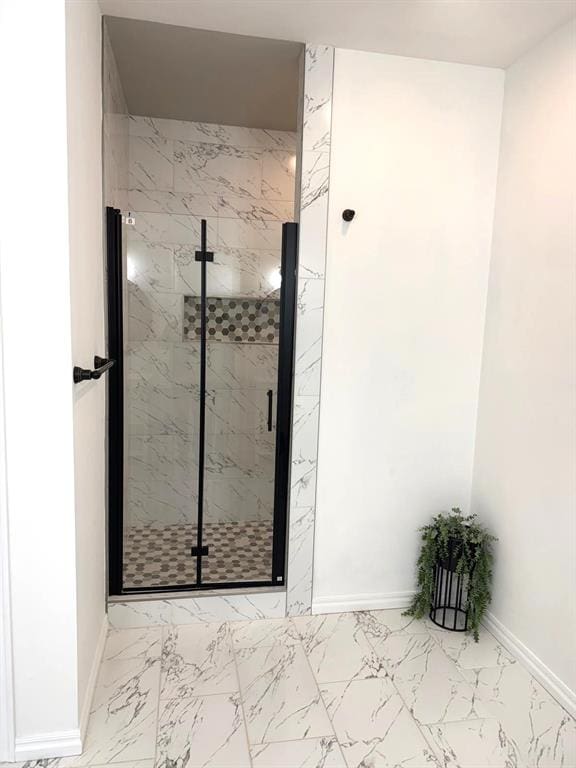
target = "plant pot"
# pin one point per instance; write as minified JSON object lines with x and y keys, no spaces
{"x":450,"y":597}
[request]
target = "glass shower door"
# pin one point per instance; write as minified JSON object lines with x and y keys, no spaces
{"x":243,"y":321}
{"x":200,"y":408}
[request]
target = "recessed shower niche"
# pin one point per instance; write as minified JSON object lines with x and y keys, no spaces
{"x":200,"y":189}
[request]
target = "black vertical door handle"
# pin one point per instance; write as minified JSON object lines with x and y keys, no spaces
{"x":269,"y":393}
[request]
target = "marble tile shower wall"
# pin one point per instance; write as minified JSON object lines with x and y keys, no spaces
{"x":315,"y":168}
{"x":242,"y":181}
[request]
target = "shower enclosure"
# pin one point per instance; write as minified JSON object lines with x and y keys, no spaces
{"x":199,"y":411}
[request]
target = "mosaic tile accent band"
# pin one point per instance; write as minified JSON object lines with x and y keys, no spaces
{"x":249,"y":321}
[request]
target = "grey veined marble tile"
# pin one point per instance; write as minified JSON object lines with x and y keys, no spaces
{"x":542,"y":730}
{"x":151,"y":163}
{"x":217,"y":169}
{"x":235,"y":272}
{"x":202,"y":732}
{"x":142,"y":643}
{"x":308,"y":355}
{"x":469,"y":654}
{"x":307,"y":753}
{"x":300,"y":551}
{"x":337,"y":648}
{"x":264,"y":633}
{"x":428,"y":681}
{"x":168,"y":201}
{"x":304,"y":450}
{"x":123,"y":716}
{"x":154,"y":316}
{"x":281,"y":699}
{"x":197,"y":660}
{"x":278,"y":171}
{"x":473,"y":744}
{"x":374,"y":728}
{"x":318,"y":71}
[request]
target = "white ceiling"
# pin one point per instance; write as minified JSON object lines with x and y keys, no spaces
{"x":486,"y":32}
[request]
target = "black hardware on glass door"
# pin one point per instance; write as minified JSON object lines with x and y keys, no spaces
{"x":200,"y":549}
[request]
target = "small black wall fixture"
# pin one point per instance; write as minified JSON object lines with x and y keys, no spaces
{"x":348,"y":214}
{"x":101,"y":365}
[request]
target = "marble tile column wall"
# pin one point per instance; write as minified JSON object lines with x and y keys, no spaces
{"x":315,"y":166}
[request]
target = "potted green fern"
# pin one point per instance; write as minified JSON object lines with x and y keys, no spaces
{"x":458,"y":548}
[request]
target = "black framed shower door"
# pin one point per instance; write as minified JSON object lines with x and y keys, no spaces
{"x":210,"y":544}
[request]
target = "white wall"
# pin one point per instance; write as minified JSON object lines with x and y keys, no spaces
{"x":84,"y":92}
{"x":414,"y":152}
{"x":35,"y":300}
{"x":525,"y":466}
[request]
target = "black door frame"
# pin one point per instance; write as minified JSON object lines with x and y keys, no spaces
{"x":114,"y":263}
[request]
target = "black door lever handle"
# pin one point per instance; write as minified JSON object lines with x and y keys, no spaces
{"x":101,"y":365}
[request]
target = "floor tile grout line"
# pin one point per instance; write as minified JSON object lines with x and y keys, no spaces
{"x":420,"y":726}
{"x":240,"y":695}
{"x":157,"y":734}
{"x":317,"y":685}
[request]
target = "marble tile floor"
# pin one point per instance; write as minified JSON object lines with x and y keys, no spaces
{"x":159,"y":555}
{"x":351,"y":690}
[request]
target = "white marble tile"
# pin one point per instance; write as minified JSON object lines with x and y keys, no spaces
{"x":163,"y":363}
{"x":304,"y":450}
{"x":281,"y":699}
{"x":197,"y":661}
{"x":172,"y":228}
{"x":241,"y":366}
{"x":313,"y":215}
{"x":154,"y":316}
{"x":234,"y":272}
{"x":211,"y":133}
{"x":163,"y":479}
{"x":151,"y":163}
{"x":257,"y":605}
{"x":469,"y":654}
{"x":150,"y":266}
{"x":123,"y":716}
{"x":473,"y":744}
{"x":238,"y":499}
{"x":255,"y":210}
{"x":253,"y":234}
{"x":300,"y":556}
{"x":543,"y":731}
{"x":154,"y":409}
{"x":217,"y":169}
{"x":337,"y":648}
{"x":307,"y":753}
{"x":167,"y":201}
{"x":378,"y":625}
{"x":232,"y":411}
{"x":139,"y":613}
{"x":428,"y":681}
{"x":373,"y":727}
{"x":308,"y":355}
{"x":142,"y":643}
{"x":240,"y":455}
{"x":188,"y":738}
{"x":267,"y":632}
{"x":317,"y":113}
{"x":278,"y":172}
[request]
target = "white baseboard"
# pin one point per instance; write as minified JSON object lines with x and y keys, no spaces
{"x":44,"y":745}
{"x":559,"y":690}
{"x":96,"y":661}
{"x":364,"y":602}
